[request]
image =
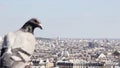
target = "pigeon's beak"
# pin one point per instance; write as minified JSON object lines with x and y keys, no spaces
{"x":40,"y":26}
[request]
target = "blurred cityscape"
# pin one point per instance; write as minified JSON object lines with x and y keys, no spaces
{"x":76,"y":53}
{"x":63,"y":52}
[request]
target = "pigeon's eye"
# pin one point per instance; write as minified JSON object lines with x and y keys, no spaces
{"x":29,"y":29}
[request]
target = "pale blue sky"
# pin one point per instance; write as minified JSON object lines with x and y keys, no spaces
{"x":63,"y":18}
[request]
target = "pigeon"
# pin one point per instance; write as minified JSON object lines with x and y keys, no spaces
{"x":18,"y":46}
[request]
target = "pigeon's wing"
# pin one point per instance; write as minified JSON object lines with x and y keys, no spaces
{"x":17,"y":46}
{"x":6,"y":53}
{"x":25,"y":44}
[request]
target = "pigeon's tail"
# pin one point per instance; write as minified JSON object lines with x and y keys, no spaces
{"x":1,"y":61}
{"x":1,"y":65}
{"x":1,"y":57}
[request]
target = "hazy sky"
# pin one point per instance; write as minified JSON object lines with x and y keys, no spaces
{"x":63,"y":18}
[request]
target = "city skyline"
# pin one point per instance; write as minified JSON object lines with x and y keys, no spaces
{"x":72,"y":19}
